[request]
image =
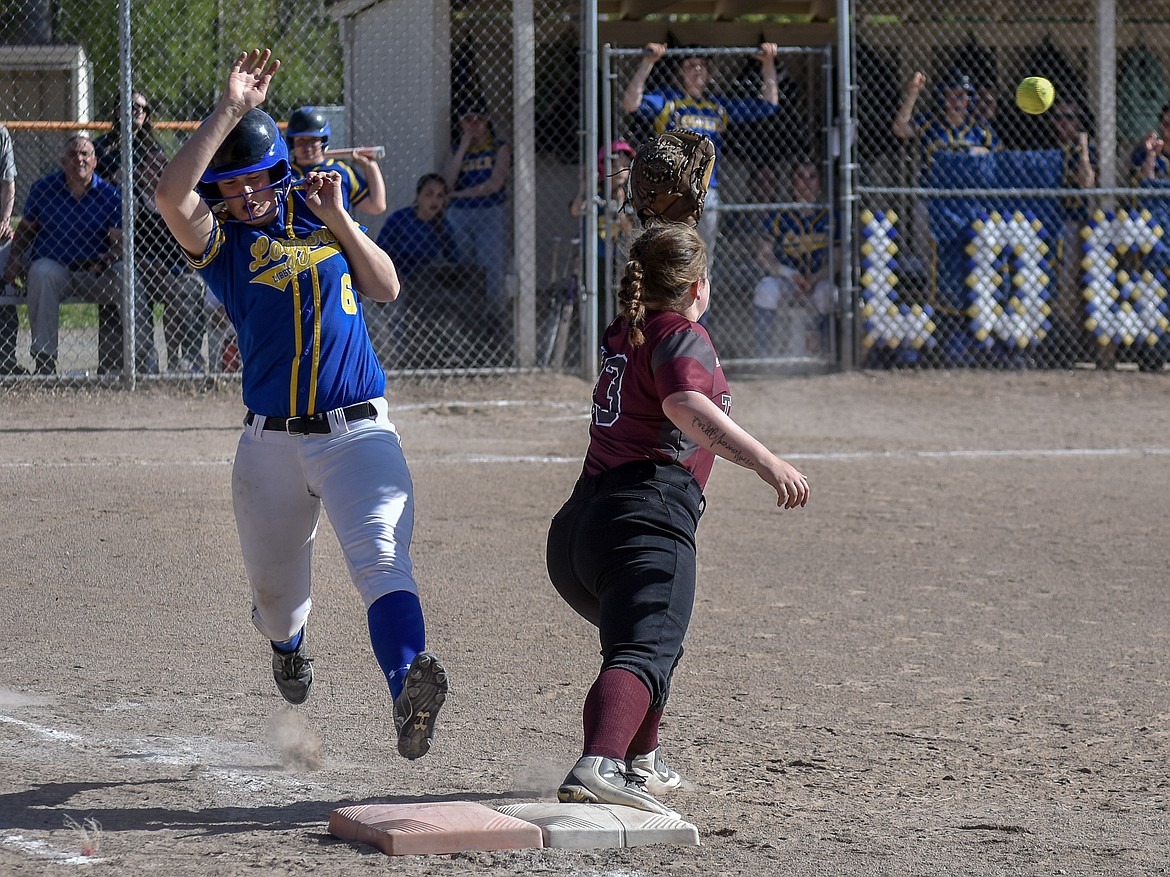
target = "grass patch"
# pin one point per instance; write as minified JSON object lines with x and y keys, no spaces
{"x":78,"y":316}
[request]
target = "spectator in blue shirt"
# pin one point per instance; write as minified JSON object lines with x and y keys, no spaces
{"x":477,"y":173}
{"x":794,"y":254}
{"x":690,"y":106}
{"x":1151,"y":158}
{"x":415,"y":238}
{"x":420,"y":235}
{"x":951,"y":127}
{"x":69,"y":245}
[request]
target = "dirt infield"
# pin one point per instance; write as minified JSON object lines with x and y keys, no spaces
{"x":956,"y":660}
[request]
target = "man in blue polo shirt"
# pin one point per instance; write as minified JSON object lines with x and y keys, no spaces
{"x":69,"y":245}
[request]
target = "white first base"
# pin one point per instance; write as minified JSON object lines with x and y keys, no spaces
{"x":594,"y":826}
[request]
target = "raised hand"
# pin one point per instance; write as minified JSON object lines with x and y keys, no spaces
{"x":323,"y":194}
{"x":248,"y":80}
{"x":654,"y":51}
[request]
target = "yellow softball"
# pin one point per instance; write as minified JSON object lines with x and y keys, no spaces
{"x":1035,"y":95}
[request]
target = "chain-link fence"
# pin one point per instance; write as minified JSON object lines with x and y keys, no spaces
{"x":993,"y":237}
{"x":444,"y":141}
{"x":978,"y":234}
{"x":769,"y":221}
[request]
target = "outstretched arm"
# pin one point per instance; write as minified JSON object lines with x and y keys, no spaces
{"x":704,"y":422}
{"x":903,"y":128}
{"x":769,"y":88}
{"x":632,"y":97}
{"x":376,"y":201}
{"x":186,"y":214}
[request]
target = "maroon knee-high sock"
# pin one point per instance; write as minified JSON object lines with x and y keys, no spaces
{"x":614,"y":710}
{"x":646,"y":739}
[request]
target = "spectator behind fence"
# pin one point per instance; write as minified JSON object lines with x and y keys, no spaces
{"x":616,"y":213}
{"x":69,"y":244}
{"x":307,"y":135}
{"x":158,"y":260}
{"x":952,"y":127}
{"x":1151,"y":158}
{"x":415,"y":238}
{"x":477,"y":174}
{"x":795,"y":257}
{"x":986,"y":106}
{"x":1071,"y":341}
{"x":9,"y":321}
{"x":1151,"y":170}
{"x":690,"y":106}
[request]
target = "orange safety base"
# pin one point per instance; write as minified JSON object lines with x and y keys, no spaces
{"x":443,"y":827}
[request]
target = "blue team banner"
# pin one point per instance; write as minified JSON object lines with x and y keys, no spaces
{"x":951,"y":218}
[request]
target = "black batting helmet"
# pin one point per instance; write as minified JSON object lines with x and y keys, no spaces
{"x":307,"y":122}
{"x":253,"y":145}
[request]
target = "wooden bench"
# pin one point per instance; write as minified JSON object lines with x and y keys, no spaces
{"x":21,"y":298}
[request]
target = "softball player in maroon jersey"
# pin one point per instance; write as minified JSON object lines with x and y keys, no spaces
{"x":290,"y":265}
{"x":621,"y":550}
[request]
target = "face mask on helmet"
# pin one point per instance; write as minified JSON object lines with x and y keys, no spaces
{"x":253,"y":145}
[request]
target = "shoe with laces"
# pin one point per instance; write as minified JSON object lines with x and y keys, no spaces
{"x":658,"y":776}
{"x":596,"y":779}
{"x":416,"y":709}
{"x":293,"y":672}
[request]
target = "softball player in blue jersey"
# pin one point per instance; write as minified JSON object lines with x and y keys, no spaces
{"x":307,"y":135}
{"x":290,"y":266}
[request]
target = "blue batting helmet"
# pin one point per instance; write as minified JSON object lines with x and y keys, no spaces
{"x":253,"y":145}
{"x":307,"y":122}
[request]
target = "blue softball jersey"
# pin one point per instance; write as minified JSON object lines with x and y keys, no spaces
{"x":801,"y":238}
{"x":477,"y":168}
{"x":671,"y":108}
{"x":354,"y":190}
{"x":289,"y":293}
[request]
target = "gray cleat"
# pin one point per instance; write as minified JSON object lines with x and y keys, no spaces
{"x":417,"y":708}
{"x":658,"y":776}
{"x":596,"y":779}
{"x":293,"y":672}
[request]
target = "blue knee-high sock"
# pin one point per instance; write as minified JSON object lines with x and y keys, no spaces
{"x":397,"y":633}
{"x":288,"y":646}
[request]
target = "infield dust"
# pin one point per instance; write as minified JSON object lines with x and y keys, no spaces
{"x":954,"y":661}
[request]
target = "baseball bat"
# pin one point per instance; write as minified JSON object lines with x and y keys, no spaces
{"x":372,"y":152}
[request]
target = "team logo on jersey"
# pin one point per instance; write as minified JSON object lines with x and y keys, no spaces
{"x":289,"y":257}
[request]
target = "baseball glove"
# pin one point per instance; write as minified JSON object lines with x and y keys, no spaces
{"x":669,"y":177}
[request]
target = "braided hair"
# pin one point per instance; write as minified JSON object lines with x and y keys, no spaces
{"x":663,"y":263}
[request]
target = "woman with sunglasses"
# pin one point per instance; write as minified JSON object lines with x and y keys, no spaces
{"x":158,"y":260}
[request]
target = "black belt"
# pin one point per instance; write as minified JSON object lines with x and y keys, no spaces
{"x":314,"y":424}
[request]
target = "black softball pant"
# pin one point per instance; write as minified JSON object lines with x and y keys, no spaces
{"x":621,"y":552}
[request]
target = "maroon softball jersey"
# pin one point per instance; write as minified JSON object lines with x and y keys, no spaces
{"x":628,"y":422}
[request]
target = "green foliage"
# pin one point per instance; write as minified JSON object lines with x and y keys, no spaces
{"x":181,"y":51}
